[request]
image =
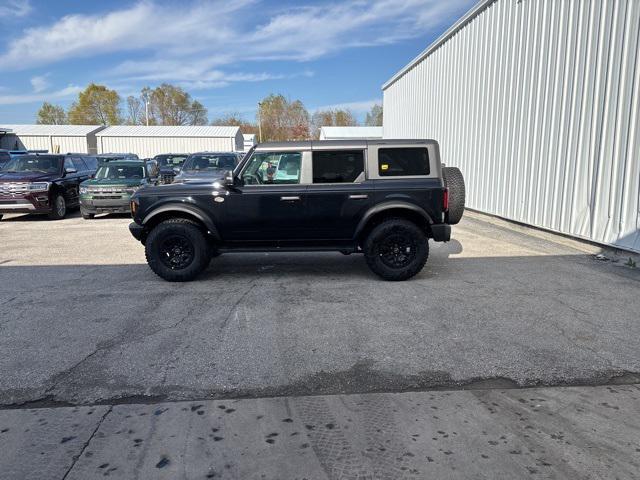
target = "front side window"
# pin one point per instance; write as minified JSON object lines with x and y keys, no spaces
{"x":396,"y":162}
{"x":68,"y":164}
{"x":340,"y":166}
{"x":273,"y":168}
{"x":210,"y":162}
{"x":78,"y":164}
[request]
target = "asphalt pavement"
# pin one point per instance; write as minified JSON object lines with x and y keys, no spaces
{"x":86,"y":326}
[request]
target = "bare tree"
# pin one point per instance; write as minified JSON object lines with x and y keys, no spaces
{"x":374,"y":117}
{"x":134,"y":110}
{"x":330,"y":118}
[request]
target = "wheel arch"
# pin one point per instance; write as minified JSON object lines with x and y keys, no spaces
{"x":166,"y":212}
{"x":397,"y":209}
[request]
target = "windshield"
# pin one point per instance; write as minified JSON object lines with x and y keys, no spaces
{"x":211,"y":162}
{"x":170,"y":160}
{"x":33,"y":163}
{"x":120,"y":172}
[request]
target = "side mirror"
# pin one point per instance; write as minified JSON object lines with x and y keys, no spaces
{"x":70,"y":170}
{"x":229,"y":179}
{"x":153,"y":168}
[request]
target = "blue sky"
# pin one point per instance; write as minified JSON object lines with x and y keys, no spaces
{"x":227,"y":54}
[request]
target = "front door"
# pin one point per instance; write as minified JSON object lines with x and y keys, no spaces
{"x":270,"y":205}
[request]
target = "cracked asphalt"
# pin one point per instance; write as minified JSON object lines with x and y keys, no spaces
{"x":83,"y":320}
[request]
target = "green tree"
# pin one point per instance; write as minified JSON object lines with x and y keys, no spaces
{"x":331,"y":117}
{"x":281,"y":119}
{"x":51,"y":115}
{"x":96,"y":105}
{"x":234,"y":119}
{"x":374,"y":117}
{"x":171,"y":105}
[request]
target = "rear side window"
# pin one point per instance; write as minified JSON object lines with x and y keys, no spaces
{"x":397,"y":162}
{"x":339,"y":166}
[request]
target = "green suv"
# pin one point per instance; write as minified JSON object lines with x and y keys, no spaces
{"x":110,"y":189}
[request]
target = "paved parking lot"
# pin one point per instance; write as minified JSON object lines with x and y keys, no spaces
{"x":83,"y":319}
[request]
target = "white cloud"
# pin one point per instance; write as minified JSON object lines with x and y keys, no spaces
{"x":14,"y":8}
{"x":17,"y":99}
{"x":205,"y":36}
{"x":40,"y":83}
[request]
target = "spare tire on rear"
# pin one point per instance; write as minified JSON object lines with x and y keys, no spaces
{"x":454,"y":181}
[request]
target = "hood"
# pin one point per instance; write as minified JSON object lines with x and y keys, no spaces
{"x":27,"y":176}
{"x":198,"y":176}
{"x":127,"y":182}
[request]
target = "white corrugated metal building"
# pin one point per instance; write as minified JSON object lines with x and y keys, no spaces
{"x":150,"y":141}
{"x":53,"y":138}
{"x":249,"y":141}
{"x":346,"y":133}
{"x":538,"y":102}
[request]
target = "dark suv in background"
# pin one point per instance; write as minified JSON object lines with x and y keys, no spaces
{"x":44,"y":184}
{"x":207,"y":166}
{"x":384,"y":199}
{"x":168,"y":166}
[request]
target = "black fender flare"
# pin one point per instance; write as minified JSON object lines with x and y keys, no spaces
{"x":189,"y":210}
{"x":391,"y":205}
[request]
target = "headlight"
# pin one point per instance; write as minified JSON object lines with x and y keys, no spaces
{"x":39,"y":186}
{"x":84,"y":190}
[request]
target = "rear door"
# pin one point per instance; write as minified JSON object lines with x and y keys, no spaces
{"x":339,"y":195}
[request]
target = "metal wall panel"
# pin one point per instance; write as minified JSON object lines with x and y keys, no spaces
{"x":146,"y":147}
{"x":538,"y":103}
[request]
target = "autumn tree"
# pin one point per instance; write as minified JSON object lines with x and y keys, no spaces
{"x":332,"y":118}
{"x":96,"y":105}
{"x":234,"y":119}
{"x":281,"y":119}
{"x":374,"y":117}
{"x":135,"y":111}
{"x":51,"y":115}
{"x":171,"y":105}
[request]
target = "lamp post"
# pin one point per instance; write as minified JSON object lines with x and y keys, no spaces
{"x":259,"y":122}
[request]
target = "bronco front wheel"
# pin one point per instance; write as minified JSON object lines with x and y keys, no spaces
{"x":177,"y":250}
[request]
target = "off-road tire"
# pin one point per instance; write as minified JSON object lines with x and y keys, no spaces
{"x":377,"y":242}
{"x":188,"y":232}
{"x":454,"y":181}
{"x":56,"y":213}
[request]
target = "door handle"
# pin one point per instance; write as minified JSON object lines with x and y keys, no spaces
{"x":290,"y":199}
{"x":358,"y":197}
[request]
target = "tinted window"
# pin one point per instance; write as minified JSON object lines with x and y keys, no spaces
{"x":120,"y":172}
{"x":204,"y":162}
{"x":273,"y":167}
{"x":170,"y":160}
{"x":4,"y":158}
{"x":393,"y":162}
{"x":338,"y":166}
{"x":92,"y":162}
{"x":68,"y":163}
{"x":78,"y":164}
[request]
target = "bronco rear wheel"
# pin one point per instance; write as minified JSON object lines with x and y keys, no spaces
{"x":177,"y":250}
{"x":397,"y":249}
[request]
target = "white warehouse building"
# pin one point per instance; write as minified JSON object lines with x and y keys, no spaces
{"x":538,"y":103}
{"x":52,"y":138}
{"x":150,"y":141}
{"x":347,"y":133}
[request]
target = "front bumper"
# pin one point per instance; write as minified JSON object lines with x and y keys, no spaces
{"x":31,"y":203}
{"x":137,"y":231}
{"x":95,"y":204}
{"x":441,"y":232}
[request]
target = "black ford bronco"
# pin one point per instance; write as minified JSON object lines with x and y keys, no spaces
{"x":382,"y":198}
